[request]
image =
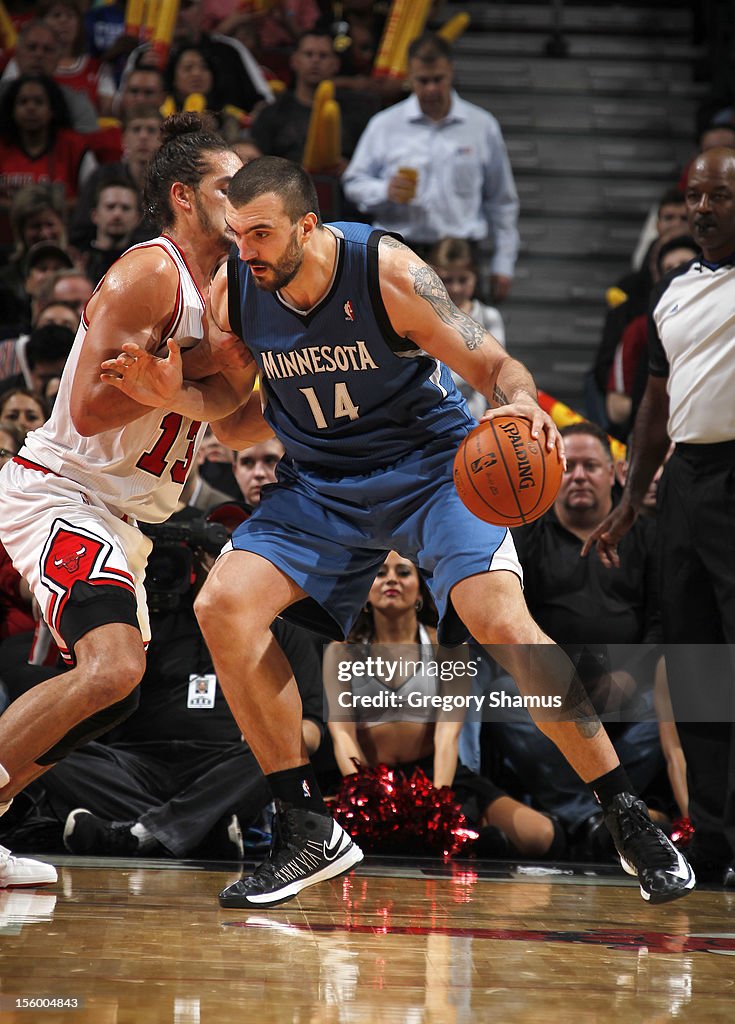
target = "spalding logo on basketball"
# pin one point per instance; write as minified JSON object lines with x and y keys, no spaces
{"x":503,"y":475}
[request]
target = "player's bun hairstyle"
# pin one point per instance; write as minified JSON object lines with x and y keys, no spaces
{"x":274,"y":174}
{"x":186,"y":141}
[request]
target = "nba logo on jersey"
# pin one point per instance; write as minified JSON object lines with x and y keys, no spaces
{"x":349,"y":311}
{"x":305,"y":787}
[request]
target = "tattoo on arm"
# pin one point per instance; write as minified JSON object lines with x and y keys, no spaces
{"x":392,"y":243}
{"x":429,"y":286}
{"x":499,"y":395}
{"x":578,"y":708}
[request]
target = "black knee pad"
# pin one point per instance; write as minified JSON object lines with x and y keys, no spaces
{"x":92,"y":605}
{"x":92,"y":727}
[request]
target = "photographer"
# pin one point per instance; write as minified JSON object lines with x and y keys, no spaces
{"x":176,"y":778}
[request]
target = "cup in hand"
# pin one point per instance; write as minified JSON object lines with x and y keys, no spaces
{"x":411,"y":176}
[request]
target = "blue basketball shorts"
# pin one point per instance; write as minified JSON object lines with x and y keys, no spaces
{"x":331,"y":533}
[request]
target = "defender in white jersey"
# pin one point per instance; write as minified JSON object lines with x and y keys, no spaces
{"x":70,"y":499}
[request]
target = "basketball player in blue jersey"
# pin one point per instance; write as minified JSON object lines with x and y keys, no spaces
{"x":351,"y":332}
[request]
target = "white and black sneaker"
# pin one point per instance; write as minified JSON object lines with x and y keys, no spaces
{"x":307,"y":848}
{"x":663,"y":871}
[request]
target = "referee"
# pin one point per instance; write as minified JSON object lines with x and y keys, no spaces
{"x":690,"y":399}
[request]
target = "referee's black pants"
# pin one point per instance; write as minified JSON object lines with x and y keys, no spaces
{"x":696,"y":539}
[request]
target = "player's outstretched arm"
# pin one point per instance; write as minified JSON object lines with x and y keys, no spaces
{"x":420,"y":308}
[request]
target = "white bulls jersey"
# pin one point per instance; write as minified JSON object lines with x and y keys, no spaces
{"x":139,"y":469}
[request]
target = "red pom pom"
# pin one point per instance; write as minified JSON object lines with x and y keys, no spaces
{"x":682,"y":832}
{"x":386,"y":812}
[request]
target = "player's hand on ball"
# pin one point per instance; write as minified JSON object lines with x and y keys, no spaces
{"x":541,"y":423}
{"x":144,"y":377}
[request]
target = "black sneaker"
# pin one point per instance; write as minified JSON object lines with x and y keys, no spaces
{"x":663,"y":871}
{"x":307,"y":848}
{"x":84,"y":833}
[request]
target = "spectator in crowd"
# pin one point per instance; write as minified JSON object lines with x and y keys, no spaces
{"x":22,"y":408}
{"x":629,"y":368}
{"x":357,"y":27}
{"x":116,"y":215}
{"x":41,"y":261}
{"x":281,"y":128}
{"x":141,"y":137}
{"x":197,"y":493}
{"x":254,"y":467}
{"x":215,"y":466}
{"x":37,"y":143}
{"x":608,"y":623}
{"x":630,"y":295}
{"x":44,"y":357}
{"x":667,"y":217}
{"x":688,"y":400}
{"x":37,"y":214}
{"x":140,"y":87}
{"x":72,"y":286}
{"x":284,"y":21}
{"x":459,"y":181}
{"x":12,"y":349}
{"x":403,"y":738}
{"x":453,"y":261}
{"x":76,"y":68}
{"x":190,"y":71}
{"x":246,"y":86}
{"x":37,"y":52}
{"x":62,"y":313}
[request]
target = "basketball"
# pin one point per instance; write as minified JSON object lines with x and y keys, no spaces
{"x":503,"y":475}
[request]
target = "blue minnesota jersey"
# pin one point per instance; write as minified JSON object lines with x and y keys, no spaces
{"x":342,"y":390}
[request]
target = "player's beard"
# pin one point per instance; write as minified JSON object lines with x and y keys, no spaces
{"x":209,"y":228}
{"x":284,"y":271}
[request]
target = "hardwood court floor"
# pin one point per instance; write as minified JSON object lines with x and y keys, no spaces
{"x":146,"y":941}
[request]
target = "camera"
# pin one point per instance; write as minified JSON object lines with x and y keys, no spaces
{"x":171,"y":570}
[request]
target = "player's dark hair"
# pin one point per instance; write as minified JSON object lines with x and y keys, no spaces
{"x":585,"y":428}
{"x":186,"y":141}
{"x":274,"y":174}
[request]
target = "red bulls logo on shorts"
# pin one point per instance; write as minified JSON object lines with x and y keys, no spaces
{"x":73,"y":554}
{"x":70,"y":558}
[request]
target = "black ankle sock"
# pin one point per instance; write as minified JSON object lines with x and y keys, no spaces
{"x":609,"y":785}
{"x":298,"y":787}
